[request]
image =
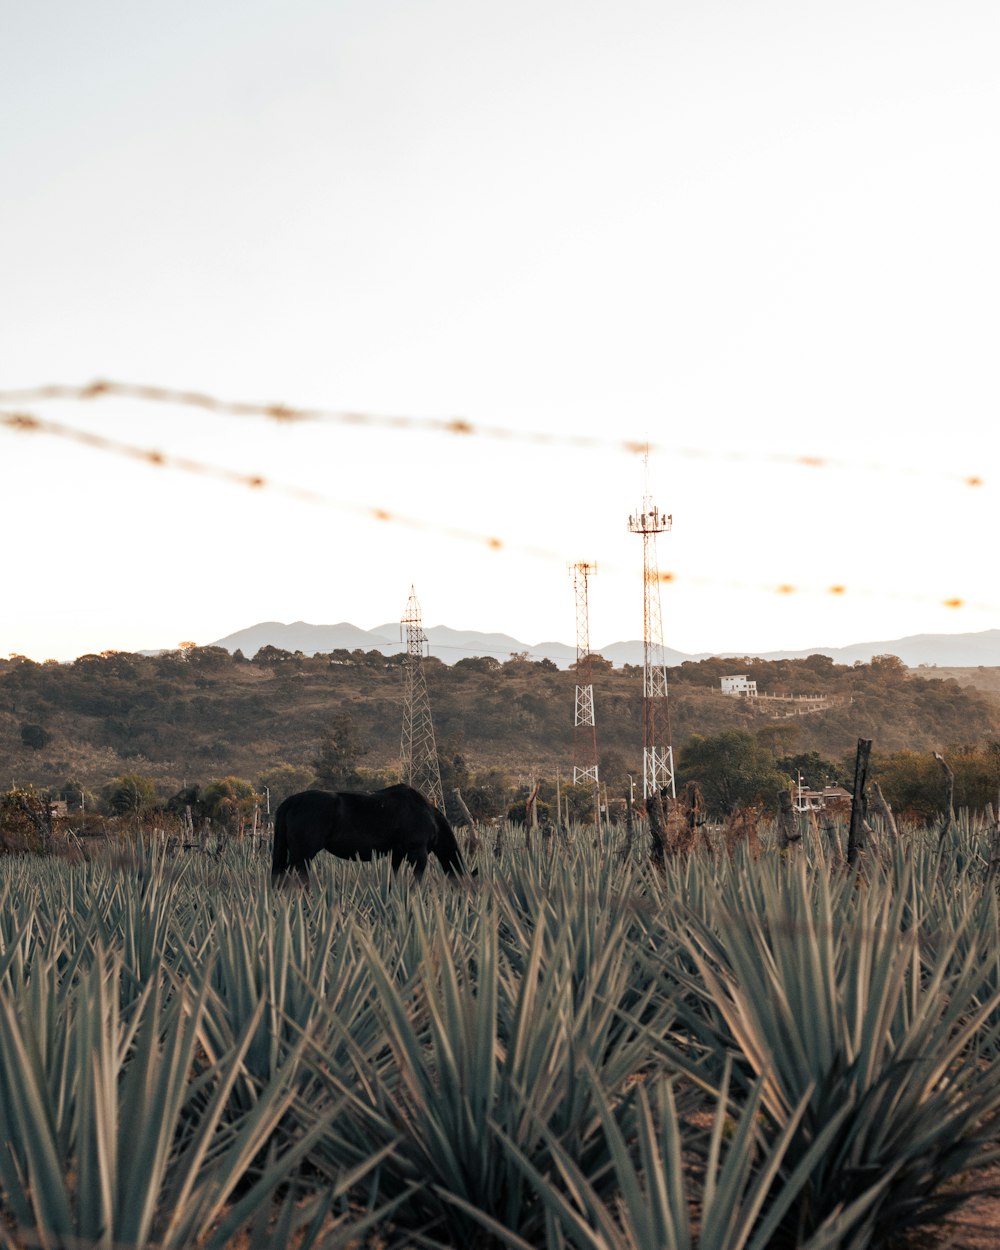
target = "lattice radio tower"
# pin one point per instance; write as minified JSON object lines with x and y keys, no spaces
{"x":657,"y":753}
{"x":584,"y":724}
{"x":419,"y":760}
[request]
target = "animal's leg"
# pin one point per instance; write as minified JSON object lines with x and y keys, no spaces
{"x":299,"y":865}
{"x":418,"y":859}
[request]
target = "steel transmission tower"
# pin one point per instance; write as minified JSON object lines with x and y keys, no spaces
{"x":419,"y":760}
{"x":657,"y":753}
{"x":584,"y":724}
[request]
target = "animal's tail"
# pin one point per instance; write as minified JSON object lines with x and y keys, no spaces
{"x":279,"y":855}
{"x":446,"y":847}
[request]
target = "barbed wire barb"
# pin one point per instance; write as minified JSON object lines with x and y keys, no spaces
{"x":30,"y":423}
{"x":104,"y":388}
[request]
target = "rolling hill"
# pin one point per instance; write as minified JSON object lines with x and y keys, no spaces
{"x":450,"y":645}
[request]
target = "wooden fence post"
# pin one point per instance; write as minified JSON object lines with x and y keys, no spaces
{"x":832,"y":837}
{"x":949,"y":797}
{"x":531,"y":813}
{"x":629,"y":825}
{"x":883,"y":809}
{"x":657,"y":829}
{"x":788,"y":825}
{"x":994,"y":865}
{"x":472,"y":841}
{"x":859,"y":802}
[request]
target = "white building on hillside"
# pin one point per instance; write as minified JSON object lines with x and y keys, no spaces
{"x":739,"y":686}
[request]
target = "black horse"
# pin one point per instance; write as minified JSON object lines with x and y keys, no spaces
{"x":396,"y":821}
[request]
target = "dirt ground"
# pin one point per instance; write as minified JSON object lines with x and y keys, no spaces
{"x":976,"y":1226}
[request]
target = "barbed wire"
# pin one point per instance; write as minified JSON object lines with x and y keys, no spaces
{"x":459,"y":426}
{"x":26,"y":422}
{"x":29,"y":423}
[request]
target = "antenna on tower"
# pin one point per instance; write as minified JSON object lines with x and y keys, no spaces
{"x":584,"y":723}
{"x":419,"y":760}
{"x":657,"y":752}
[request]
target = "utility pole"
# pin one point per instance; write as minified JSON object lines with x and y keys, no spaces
{"x":657,"y":752}
{"x":419,"y":760}
{"x":585,"y":762}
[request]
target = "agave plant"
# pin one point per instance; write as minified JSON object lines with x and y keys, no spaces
{"x":842,"y":1003}
{"x":475,"y":1041}
{"x":733,"y":1196}
{"x":120,"y":1136}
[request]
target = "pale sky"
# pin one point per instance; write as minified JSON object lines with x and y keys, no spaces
{"x":746,"y":232}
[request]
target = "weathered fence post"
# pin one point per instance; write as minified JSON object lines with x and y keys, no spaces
{"x":993,"y":867}
{"x":629,"y":825}
{"x":883,"y":809}
{"x":472,"y":841}
{"x":788,"y":825}
{"x":832,"y":837}
{"x":859,"y":802}
{"x":949,"y":797}
{"x":657,"y":829}
{"x":531,"y":813}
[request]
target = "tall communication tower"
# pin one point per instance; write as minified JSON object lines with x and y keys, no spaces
{"x":419,"y":760}
{"x":657,"y":753}
{"x":584,"y":724}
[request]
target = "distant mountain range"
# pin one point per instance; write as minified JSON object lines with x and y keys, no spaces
{"x":450,"y":645}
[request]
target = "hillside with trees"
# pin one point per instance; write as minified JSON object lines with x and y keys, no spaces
{"x":199,"y":716}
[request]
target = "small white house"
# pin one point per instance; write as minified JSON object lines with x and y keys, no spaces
{"x":739,"y":685}
{"x":834,"y":798}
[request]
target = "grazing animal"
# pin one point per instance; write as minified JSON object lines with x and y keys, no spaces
{"x":396,"y":821}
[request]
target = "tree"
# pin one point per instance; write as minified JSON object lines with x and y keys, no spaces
{"x":454,"y":776}
{"x":285,"y":779}
{"x":911,"y":783}
{"x":888,"y":670}
{"x":35,"y":737}
{"x":732,"y":768}
{"x":815,"y":771}
{"x":188,"y":798}
{"x":911,"y":780}
{"x":615,"y":770}
{"x":25,"y":820}
{"x":779,"y":737}
{"x":128,"y":794}
{"x":270,"y":656}
{"x":977,"y":774}
{"x":209,"y":659}
{"x":597,"y":663}
{"x":76,"y":795}
{"x":339,"y":751}
{"x":488,"y":794}
{"x":579,"y":799}
{"x":231,"y":802}
{"x":479,"y":664}
{"x":822,"y":665}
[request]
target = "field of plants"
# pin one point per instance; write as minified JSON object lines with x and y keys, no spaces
{"x":573,"y":1049}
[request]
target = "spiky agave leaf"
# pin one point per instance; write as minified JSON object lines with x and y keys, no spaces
{"x":848,"y":1008}
{"x":748,"y":1185}
{"x":143,"y":1153}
